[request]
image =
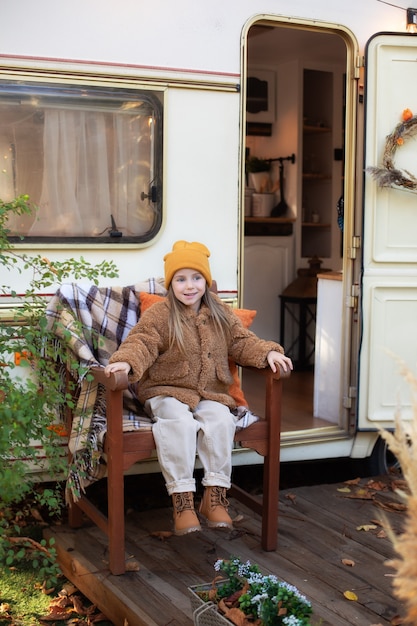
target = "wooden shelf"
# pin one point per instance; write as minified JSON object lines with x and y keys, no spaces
{"x":314,"y":176}
{"x":315,"y":225}
{"x":318,"y":157}
{"x":269,"y":226}
{"x":310,"y":130}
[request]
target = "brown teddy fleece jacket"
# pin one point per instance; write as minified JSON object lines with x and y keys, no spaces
{"x":203,"y":373}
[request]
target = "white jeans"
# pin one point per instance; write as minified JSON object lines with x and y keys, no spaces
{"x":180,"y":433}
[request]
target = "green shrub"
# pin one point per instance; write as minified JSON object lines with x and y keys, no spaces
{"x":33,"y":396}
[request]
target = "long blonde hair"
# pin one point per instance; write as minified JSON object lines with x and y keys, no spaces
{"x":177,"y":319}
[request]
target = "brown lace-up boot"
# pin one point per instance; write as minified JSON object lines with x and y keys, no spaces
{"x":214,"y":507}
{"x":185,"y":518}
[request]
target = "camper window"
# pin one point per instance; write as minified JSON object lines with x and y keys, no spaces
{"x":90,"y":159}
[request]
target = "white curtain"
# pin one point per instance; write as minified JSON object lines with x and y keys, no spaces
{"x":7,"y":182}
{"x":80,"y":167}
{"x":75,"y":197}
{"x":131,"y":161}
{"x":21,"y":139}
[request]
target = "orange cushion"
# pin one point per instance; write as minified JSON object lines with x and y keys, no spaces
{"x":148,"y":299}
{"x":246,"y":316}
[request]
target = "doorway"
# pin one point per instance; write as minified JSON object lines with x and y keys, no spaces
{"x":304,"y":129}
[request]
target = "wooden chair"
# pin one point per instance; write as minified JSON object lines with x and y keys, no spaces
{"x":125,"y":449}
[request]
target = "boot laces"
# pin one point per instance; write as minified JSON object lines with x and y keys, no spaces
{"x":218,"y":497}
{"x":183,"y":502}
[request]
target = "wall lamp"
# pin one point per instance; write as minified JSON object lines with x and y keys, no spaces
{"x":412,"y":20}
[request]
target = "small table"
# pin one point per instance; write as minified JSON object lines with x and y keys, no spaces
{"x":298,"y":303}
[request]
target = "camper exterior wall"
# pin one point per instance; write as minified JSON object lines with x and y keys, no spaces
{"x":200,"y":190}
{"x":191,"y":52}
{"x":163,"y":34}
{"x":181,"y":41}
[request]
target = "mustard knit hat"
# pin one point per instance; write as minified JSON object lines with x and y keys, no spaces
{"x":187,"y":255}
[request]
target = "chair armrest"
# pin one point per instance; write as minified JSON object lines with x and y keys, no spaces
{"x":115,"y":382}
{"x":266,"y":371}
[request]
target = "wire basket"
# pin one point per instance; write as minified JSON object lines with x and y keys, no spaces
{"x":206,"y":613}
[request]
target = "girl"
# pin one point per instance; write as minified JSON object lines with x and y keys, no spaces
{"x":179,"y":352}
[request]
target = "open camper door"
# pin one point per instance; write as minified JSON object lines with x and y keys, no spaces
{"x":389,"y":264}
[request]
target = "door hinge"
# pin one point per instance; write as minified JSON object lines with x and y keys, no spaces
{"x":354,"y":247}
{"x":353,"y":298}
{"x":347,"y":400}
{"x":360,"y":62}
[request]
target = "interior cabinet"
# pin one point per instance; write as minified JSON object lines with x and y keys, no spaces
{"x":268,"y":268}
{"x":329,"y":347}
{"x":317,"y":175}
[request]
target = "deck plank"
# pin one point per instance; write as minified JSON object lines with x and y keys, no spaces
{"x":317,"y":529}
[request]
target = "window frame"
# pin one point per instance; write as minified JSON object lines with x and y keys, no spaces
{"x":110,"y":90}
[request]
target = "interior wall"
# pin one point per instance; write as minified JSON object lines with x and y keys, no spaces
{"x":284,"y":140}
{"x":295,"y":50}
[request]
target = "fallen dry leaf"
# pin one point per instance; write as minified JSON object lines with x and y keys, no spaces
{"x":47,"y":590}
{"x":36,"y":515}
{"x":353,"y":481}
{"x":212,"y":594}
{"x":366,"y":527}
{"x":395,"y":507}
{"x":57,"y":613}
{"x":382,"y":534}
{"x":344,"y":489}
{"x":68,"y":589}
{"x":350,"y":595}
{"x":78,"y":605}
{"x":379,"y":522}
{"x":281,"y":610}
{"x":132,"y":566}
{"x":348,"y":562}
{"x":99,"y":617}
{"x":377,"y":485}
{"x":236,"y":616}
{"x":291,"y":496}
{"x":400,"y":485}
{"x":162,"y":534}
{"x":60,"y":600}
{"x":362,"y":494}
{"x":90,"y":610}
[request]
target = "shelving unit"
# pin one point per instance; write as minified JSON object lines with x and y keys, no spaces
{"x":317,"y":148}
{"x":265,"y":226}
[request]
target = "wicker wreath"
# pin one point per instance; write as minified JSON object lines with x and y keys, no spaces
{"x":388,"y":175}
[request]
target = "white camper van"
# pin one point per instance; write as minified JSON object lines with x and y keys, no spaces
{"x":133,"y":125}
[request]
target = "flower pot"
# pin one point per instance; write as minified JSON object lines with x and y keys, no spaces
{"x":244,"y":589}
{"x":249,"y":191}
{"x":262,"y":204}
{"x":205,"y":613}
{"x":260,"y":181}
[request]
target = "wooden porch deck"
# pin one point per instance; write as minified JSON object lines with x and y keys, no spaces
{"x":318,"y":528}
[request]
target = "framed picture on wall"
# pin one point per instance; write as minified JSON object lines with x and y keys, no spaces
{"x":260,"y":96}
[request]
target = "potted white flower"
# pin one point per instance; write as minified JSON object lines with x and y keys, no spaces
{"x":243,"y":595}
{"x":257,"y":173}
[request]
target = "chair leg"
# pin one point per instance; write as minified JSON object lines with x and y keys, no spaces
{"x":272,"y":466}
{"x":115,"y":494}
{"x":270,"y":503}
{"x":75,"y":516}
{"x":116,"y":526}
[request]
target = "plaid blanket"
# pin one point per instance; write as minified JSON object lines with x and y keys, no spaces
{"x":89,"y":323}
